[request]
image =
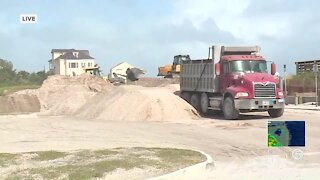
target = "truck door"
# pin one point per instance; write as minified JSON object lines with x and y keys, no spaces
{"x":226,"y":77}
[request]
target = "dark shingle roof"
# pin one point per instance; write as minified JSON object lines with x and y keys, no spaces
{"x":62,"y":50}
{"x":84,"y":51}
{"x":69,"y":55}
{"x":69,"y":50}
{"x":82,"y":54}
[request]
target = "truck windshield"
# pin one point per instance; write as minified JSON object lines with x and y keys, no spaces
{"x":248,"y":66}
{"x":179,"y":59}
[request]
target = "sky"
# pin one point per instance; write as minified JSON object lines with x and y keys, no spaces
{"x":148,"y":33}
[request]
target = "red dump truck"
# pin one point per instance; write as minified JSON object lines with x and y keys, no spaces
{"x":235,"y":80}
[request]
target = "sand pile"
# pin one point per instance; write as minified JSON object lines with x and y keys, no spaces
{"x":156,"y":82}
{"x":90,"y":97}
{"x":174,"y":88}
{"x":61,"y":95}
{"x":19,"y":103}
{"x":135,"y":103}
{"x":31,"y":92}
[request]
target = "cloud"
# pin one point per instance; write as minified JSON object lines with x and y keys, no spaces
{"x":149,"y":33}
{"x":240,"y":18}
{"x":287,"y":31}
{"x":141,"y":42}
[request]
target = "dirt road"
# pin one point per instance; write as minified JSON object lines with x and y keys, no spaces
{"x":226,"y":141}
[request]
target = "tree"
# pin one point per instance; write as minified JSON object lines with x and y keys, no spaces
{"x":302,"y":83}
{"x":22,"y":77}
{"x":7,"y":74}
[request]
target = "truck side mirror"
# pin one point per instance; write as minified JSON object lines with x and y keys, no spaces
{"x":217,"y":69}
{"x":273,"y":69}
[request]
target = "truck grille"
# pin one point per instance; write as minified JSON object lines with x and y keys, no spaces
{"x":265,"y":90}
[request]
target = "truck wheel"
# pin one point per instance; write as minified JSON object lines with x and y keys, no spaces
{"x":186,"y":96}
{"x":195,"y":101}
{"x":274,"y":113}
{"x":229,"y":110}
{"x":204,"y":103}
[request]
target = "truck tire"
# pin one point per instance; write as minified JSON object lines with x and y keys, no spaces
{"x":195,"y":101}
{"x":274,"y":113}
{"x":186,"y":96}
{"x":229,"y":110}
{"x":204,"y":103}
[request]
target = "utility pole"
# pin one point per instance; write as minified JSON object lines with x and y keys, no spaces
{"x":285,"y":80}
{"x":315,"y":70}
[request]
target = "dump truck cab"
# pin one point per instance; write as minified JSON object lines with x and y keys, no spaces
{"x":240,"y":72}
{"x":246,"y":80}
{"x":238,"y":82}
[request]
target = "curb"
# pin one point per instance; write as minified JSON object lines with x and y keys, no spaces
{"x":310,"y":109}
{"x":189,"y":171}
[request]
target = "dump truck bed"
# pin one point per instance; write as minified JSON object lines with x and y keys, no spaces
{"x":198,"y":75}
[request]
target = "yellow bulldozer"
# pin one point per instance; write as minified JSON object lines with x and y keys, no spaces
{"x":171,"y":70}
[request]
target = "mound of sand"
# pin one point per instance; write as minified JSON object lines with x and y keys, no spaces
{"x":135,"y":103}
{"x":174,"y":88}
{"x":156,"y":81}
{"x":61,"y":95}
{"x":34,"y":92}
{"x":90,"y":97}
{"x":19,"y":103}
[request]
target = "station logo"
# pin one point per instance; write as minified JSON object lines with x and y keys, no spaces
{"x":28,"y":18}
{"x":297,"y":154}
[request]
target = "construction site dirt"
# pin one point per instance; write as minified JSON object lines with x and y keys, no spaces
{"x":86,"y":112}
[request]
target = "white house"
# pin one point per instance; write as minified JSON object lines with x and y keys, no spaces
{"x":70,"y":62}
{"x":119,"y":69}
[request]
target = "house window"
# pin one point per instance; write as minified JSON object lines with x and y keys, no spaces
{"x":89,"y":64}
{"x":76,"y":54}
{"x":83,"y":65}
{"x":73,"y":65}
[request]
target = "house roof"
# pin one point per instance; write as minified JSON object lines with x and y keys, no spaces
{"x":62,"y":50}
{"x":69,"y":50}
{"x":120,"y":64}
{"x":81,"y":55}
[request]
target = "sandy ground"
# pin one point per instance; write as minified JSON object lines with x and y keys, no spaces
{"x":19,"y":103}
{"x":234,"y":145}
{"x":91,"y":114}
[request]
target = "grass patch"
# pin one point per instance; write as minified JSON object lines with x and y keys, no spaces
{"x":49,"y":155}
{"x":105,"y":152}
{"x":7,"y":159}
{"x":5,"y":90}
{"x":86,"y":164}
{"x":179,"y":157}
{"x":91,"y":170}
